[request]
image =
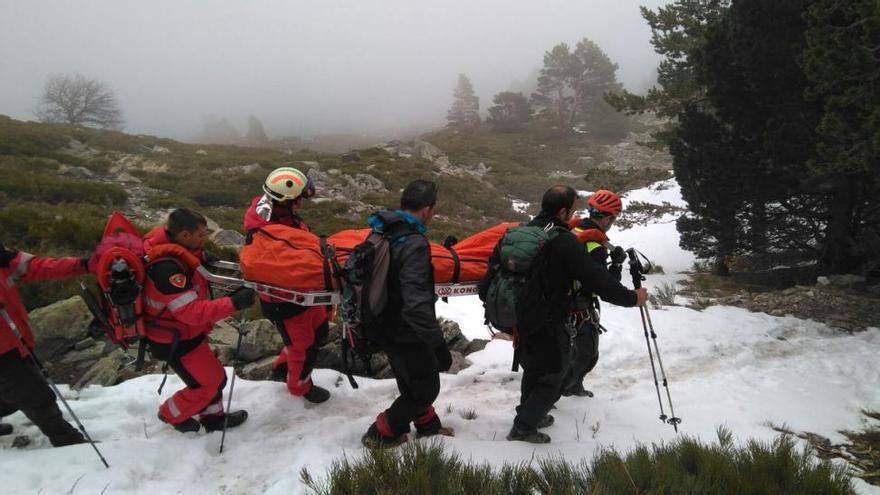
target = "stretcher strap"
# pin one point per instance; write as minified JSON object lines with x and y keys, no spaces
{"x":456,"y":264}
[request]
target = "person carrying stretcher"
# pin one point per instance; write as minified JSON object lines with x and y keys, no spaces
{"x":302,"y":328}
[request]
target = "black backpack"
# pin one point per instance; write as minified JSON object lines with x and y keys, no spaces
{"x":364,"y":281}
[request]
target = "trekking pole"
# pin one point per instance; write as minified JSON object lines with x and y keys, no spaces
{"x":637,"y":271}
{"x":241,"y":334}
{"x":45,"y":374}
{"x":674,"y":420}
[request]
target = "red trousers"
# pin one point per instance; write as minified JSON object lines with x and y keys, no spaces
{"x":204,"y":377}
{"x":302,"y":334}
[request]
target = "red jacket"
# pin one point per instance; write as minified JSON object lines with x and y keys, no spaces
{"x":26,"y":267}
{"x":176,"y":297}
{"x":260,"y":213}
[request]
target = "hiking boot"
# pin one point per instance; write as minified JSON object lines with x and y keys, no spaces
{"x":214,"y":422}
{"x":546,"y":421}
{"x":5,"y":429}
{"x":534,"y":436}
{"x":188,"y":426}
{"x":316,"y":394}
{"x":72,"y":438}
{"x":372,"y":439}
{"x":577,"y":390}
{"x":279,"y":373}
{"x":443,"y":430}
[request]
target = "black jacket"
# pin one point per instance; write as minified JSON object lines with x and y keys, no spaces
{"x":409,"y":315}
{"x":567,"y":261}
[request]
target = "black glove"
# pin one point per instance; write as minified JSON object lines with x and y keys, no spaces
{"x":243,"y":297}
{"x":6,"y":256}
{"x":209,"y":258}
{"x":444,"y":357}
{"x":618,"y":256}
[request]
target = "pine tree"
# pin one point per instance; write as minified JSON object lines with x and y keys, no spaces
{"x":511,"y":112}
{"x":677,"y":32}
{"x":842,"y":62}
{"x":555,"y":97}
{"x":596,"y":77}
{"x":465,"y":111}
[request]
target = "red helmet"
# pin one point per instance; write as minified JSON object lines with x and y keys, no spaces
{"x":605,"y":202}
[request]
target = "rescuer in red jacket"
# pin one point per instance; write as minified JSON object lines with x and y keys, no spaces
{"x":179,"y":315}
{"x":22,"y":387}
{"x":302,"y":328}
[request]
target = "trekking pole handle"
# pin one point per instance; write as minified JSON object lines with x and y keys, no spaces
{"x":635,"y":268}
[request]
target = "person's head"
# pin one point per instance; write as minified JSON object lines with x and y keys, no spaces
{"x":287,"y":187}
{"x":187,"y":227}
{"x":419,"y":198}
{"x":558,"y":203}
{"x":604,"y":207}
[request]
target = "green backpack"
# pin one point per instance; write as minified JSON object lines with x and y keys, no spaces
{"x":512,"y":291}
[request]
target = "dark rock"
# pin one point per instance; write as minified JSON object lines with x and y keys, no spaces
{"x":21,"y":441}
{"x":476,"y":345}
{"x":59,"y":326}
{"x":105,"y":372}
{"x":353,"y":156}
{"x":259,"y":370}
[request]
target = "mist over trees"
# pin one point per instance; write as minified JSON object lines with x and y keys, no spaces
{"x":255,"y":133}
{"x":775,"y":134}
{"x":465,"y":111}
{"x":511,"y":112}
{"x":79,"y":100}
{"x":571,"y":90}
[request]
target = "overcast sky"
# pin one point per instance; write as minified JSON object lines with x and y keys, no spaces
{"x":302,"y":67}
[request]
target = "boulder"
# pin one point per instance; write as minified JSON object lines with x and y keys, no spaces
{"x":105,"y":372}
{"x":88,"y":354}
{"x":350,"y":157}
{"x":455,"y":340}
{"x":259,"y":370}
{"x":59,"y":326}
{"x":228,"y":238}
{"x":459,"y":362}
{"x":476,"y":345}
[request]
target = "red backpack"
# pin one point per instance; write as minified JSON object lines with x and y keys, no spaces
{"x":118,"y":266}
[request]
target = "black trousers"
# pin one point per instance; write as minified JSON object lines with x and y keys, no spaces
{"x":22,"y":388}
{"x":584,"y":356}
{"x":415,"y":369}
{"x":544,"y":357}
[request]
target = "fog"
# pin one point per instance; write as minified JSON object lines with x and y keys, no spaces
{"x":302,"y":67}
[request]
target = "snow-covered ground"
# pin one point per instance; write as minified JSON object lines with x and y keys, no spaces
{"x":726,"y":366}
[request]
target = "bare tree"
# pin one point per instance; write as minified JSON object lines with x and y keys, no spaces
{"x":79,"y":100}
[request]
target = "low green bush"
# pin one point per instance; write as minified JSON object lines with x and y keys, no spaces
{"x":685,"y":465}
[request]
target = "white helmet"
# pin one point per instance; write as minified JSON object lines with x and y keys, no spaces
{"x":288,"y":183}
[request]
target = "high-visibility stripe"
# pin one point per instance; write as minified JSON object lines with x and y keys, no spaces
{"x":172,"y":407}
{"x":592,"y":246}
{"x":21,"y":269}
{"x":154,"y":303}
{"x":182,"y":300}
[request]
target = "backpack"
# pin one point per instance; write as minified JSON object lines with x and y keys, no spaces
{"x":364,"y":281}
{"x":120,"y":265}
{"x":119,"y":269}
{"x":512,"y":291}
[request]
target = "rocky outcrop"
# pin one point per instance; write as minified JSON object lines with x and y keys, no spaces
{"x":59,"y":326}
{"x":228,"y":238}
{"x":847,"y":310}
